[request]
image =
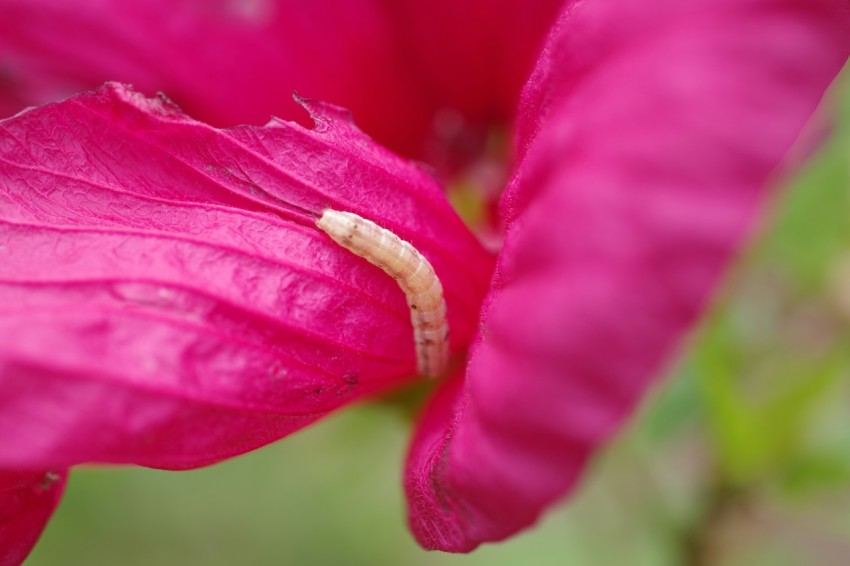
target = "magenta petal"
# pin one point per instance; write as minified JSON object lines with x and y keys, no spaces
{"x":650,"y":132}
{"x":224,"y":62}
{"x":27,"y":500}
{"x":473,"y":55}
{"x":394,"y":64}
{"x":165,"y":297}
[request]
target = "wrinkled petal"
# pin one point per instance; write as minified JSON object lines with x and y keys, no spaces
{"x":394,"y":64}
{"x":27,"y":500}
{"x":165,"y":296}
{"x":648,"y":140}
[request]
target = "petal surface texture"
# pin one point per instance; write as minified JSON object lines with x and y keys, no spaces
{"x":27,"y":501}
{"x":165,"y":296}
{"x":648,"y":137}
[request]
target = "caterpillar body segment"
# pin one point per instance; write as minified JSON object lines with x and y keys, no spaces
{"x":414,"y":274}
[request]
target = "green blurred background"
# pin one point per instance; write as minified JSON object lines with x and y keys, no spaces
{"x":741,"y":456}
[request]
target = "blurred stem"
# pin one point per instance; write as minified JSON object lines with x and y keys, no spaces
{"x":699,"y":540}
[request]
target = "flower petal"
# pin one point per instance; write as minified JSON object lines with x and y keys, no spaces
{"x":165,"y":296}
{"x":394,"y":64}
{"x":225,"y":62}
{"x":27,"y":500}
{"x":650,"y":133}
{"x":473,"y":55}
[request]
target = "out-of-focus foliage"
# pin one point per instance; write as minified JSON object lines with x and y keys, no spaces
{"x":742,"y":457}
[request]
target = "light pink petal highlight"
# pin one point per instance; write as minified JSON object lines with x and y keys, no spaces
{"x":649,"y":135}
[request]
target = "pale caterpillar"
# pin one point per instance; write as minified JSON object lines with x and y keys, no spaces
{"x":414,"y":275}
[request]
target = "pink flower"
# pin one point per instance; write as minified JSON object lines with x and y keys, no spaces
{"x":167,"y":300}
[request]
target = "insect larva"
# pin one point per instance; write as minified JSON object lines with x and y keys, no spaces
{"x":414,"y":275}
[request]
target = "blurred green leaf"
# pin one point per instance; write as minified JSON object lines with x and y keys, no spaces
{"x":760,"y":433}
